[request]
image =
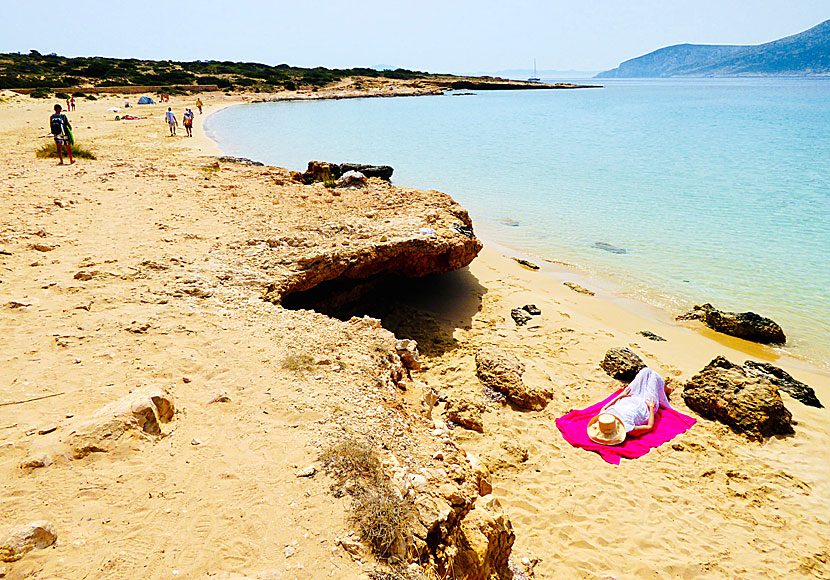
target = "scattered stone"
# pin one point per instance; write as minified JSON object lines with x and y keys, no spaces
{"x":622,"y":363}
{"x":352,"y":546}
{"x":502,"y":372}
{"x":651,"y":336}
{"x":47,"y":430}
{"x":520,"y":316}
{"x":577,"y":288}
{"x":221,"y":397}
{"x":532,"y":309}
{"x":84,"y":275}
{"x":195,"y":442}
{"x":350,"y":178}
{"x":36,"y":461}
{"x":745,"y":325}
{"x":726,"y":392}
{"x":136,"y":327}
{"x":289,"y":551}
{"x":43,"y":247}
{"x":527,"y":264}
{"x":784,"y":381}
{"x":307,"y":471}
{"x":23,"y":539}
{"x":465,"y":413}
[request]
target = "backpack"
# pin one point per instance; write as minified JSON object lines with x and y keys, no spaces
{"x":56,"y":124}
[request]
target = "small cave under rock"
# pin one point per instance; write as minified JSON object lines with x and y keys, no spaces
{"x":426,"y":310}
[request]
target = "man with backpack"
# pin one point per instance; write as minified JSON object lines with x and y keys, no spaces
{"x":61,"y":132}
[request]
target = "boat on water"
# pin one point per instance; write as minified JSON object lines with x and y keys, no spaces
{"x":534,"y":78}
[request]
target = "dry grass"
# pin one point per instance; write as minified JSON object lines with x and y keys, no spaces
{"x":380,"y":514}
{"x":50,"y":151}
{"x":298,"y":363}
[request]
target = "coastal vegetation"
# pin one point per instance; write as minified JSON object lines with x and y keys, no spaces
{"x":51,"y":71}
{"x":50,"y":151}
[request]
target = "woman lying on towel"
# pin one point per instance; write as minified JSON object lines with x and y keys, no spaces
{"x":632,"y":411}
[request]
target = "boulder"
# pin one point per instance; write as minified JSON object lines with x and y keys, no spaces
{"x":532,"y":309}
{"x":502,"y":372}
{"x":577,"y":288}
{"x":484,"y":541}
{"x":622,"y":363}
{"x":726,"y":392}
{"x":465,"y":413}
{"x":23,"y":539}
{"x":651,"y":336}
{"x":782,"y":379}
{"x":350,"y":178}
{"x":745,"y":325}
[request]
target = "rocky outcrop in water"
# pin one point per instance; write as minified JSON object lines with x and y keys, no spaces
{"x":324,"y":171}
{"x":784,"y":381}
{"x":746,"y":325}
{"x":748,"y":403}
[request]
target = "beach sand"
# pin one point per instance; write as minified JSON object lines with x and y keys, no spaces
{"x":157,"y":226}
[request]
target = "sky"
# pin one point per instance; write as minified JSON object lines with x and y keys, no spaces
{"x":454,"y":36}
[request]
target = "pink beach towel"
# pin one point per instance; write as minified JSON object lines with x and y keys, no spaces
{"x":668,"y":423}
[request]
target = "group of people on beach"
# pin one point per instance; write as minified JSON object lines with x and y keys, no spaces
{"x":173,"y":123}
{"x":70,"y":104}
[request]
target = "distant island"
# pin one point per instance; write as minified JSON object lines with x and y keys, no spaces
{"x":803,"y":54}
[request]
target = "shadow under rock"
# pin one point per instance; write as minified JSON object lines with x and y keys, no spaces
{"x":427,"y":310}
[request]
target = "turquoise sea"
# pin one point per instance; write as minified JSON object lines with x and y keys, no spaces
{"x":717,"y":190}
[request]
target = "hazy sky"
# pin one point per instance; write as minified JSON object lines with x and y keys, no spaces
{"x":435,"y":35}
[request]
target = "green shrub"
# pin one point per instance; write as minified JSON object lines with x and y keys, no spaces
{"x":50,"y":151}
{"x":78,"y":94}
{"x":63,"y":96}
{"x":91,"y":98}
{"x":40,"y":94}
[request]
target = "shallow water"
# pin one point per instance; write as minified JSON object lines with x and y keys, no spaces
{"x":716,"y":190}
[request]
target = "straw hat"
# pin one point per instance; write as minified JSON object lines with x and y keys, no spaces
{"x":606,"y":429}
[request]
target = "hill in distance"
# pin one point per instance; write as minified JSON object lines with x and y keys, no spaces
{"x":803,"y":54}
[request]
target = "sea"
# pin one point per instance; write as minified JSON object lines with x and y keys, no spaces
{"x":676,"y":191}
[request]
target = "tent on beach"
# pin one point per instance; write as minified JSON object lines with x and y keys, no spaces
{"x":145,"y":100}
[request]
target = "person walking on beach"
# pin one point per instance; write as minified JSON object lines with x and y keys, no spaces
{"x":72,"y":104}
{"x":171,"y":121}
{"x":60,"y":127}
{"x":199,"y":105}
{"x":187,"y":120}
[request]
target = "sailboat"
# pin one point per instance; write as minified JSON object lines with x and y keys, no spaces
{"x":534,"y":78}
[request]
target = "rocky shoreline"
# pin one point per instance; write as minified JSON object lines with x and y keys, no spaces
{"x":164,"y":300}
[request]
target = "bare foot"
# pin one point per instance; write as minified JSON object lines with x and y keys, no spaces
{"x":61,"y":163}
{"x":71,"y":162}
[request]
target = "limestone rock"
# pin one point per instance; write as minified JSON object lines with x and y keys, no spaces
{"x":408,"y":351}
{"x":24,"y":539}
{"x":577,"y":288}
{"x":746,"y":325}
{"x":350,"y":178}
{"x":466,"y":413}
{"x":383,"y":172}
{"x":782,"y":379}
{"x":651,"y":336}
{"x":484,"y":541}
{"x":622,"y":363}
{"x":532,"y":309}
{"x":726,"y":392}
{"x":502,"y":372}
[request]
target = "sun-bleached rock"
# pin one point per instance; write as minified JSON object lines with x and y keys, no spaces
{"x":484,"y":541}
{"x":23,"y":539}
{"x":502,"y":372}
{"x":464,"y":412}
{"x":725,"y":392}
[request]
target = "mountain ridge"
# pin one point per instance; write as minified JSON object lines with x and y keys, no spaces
{"x":804,"y":54}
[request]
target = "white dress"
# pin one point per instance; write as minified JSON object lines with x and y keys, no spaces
{"x":632,"y":410}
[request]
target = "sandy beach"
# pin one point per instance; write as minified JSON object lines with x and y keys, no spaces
{"x":147,"y":268}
